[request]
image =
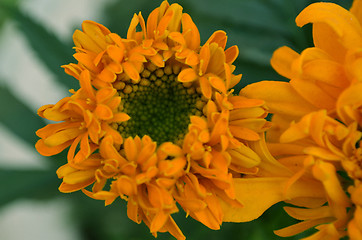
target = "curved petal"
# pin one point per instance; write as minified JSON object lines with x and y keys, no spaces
{"x":258,"y":194}
{"x":131,"y":71}
{"x":349,"y":104}
{"x":356,"y":10}
{"x":190,"y":32}
{"x":283,"y":99}
{"x":282,"y":61}
{"x":337,"y":28}
{"x":187,"y":75}
{"x":313,"y":94}
{"x":301,"y":227}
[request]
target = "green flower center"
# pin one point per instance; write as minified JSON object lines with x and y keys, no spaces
{"x":159,"y":105}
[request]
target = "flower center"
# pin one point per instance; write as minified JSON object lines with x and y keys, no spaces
{"x":159,"y":105}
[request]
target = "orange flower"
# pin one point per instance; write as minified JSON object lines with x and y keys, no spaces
{"x":318,"y":75}
{"x":316,"y":128}
{"x":188,"y":139}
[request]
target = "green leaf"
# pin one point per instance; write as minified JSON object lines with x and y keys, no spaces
{"x":20,"y":184}
{"x":50,"y":50}
{"x":241,"y":13}
{"x":17,"y":117}
{"x":4,"y":14}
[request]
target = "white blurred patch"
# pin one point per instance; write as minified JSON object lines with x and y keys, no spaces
{"x":63,"y":16}
{"x":37,"y":220}
{"x":23,"y":73}
{"x":15,"y":153}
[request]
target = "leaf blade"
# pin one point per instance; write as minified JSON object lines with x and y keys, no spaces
{"x":18,"y":117}
{"x":33,"y":184}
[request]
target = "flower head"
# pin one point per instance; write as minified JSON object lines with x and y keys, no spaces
{"x":317,"y":121}
{"x":318,"y":75}
{"x":155,"y":121}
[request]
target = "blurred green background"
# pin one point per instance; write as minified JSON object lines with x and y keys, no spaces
{"x":35,"y":39}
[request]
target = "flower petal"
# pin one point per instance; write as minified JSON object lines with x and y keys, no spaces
{"x":283,"y":99}
{"x":187,"y":75}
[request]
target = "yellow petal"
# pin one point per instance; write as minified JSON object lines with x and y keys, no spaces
{"x":82,"y":40}
{"x":62,"y":137}
{"x":313,"y":94}
{"x":131,"y":71}
{"x":242,"y":113}
{"x":131,"y":33}
{"x":158,"y":221}
{"x":85,"y":83}
{"x":218,"y":37}
{"x":231,"y":54}
{"x":132,"y":211}
{"x":205,"y":87}
{"x":78,"y":177}
{"x":243,"y":102}
{"x":65,"y":170}
{"x":190,"y":32}
{"x":326,"y":173}
{"x":116,"y":53}
{"x":126,"y":185}
{"x":256,"y":124}
{"x":94,"y":31}
{"x":326,"y":71}
{"x":309,"y":213}
{"x":192,"y":59}
{"x":356,"y":10}
{"x":130,"y":149}
{"x":103,"y":112}
{"x":335,"y":29}
{"x":171,"y":149}
{"x":105,"y":94}
{"x":68,"y":188}
{"x":175,"y":22}
{"x":177,"y":37}
{"x":172,"y":228}
{"x":283,"y":99}
{"x":155,"y":195}
{"x":108,"y":151}
{"x":107,"y":75}
{"x":218,"y":83}
{"x":282,"y":61}
{"x":187,"y":75}
{"x":204,"y":59}
{"x":349,"y":103}
{"x":244,"y":157}
{"x":244,"y":133}
{"x":157,"y":60}
{"x":102,"y":195}
{"x":258,"y":194}
{"x":217,"y":60}
{"x":301,"y":227}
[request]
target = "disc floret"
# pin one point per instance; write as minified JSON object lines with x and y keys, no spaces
{"x":159,"y":105}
